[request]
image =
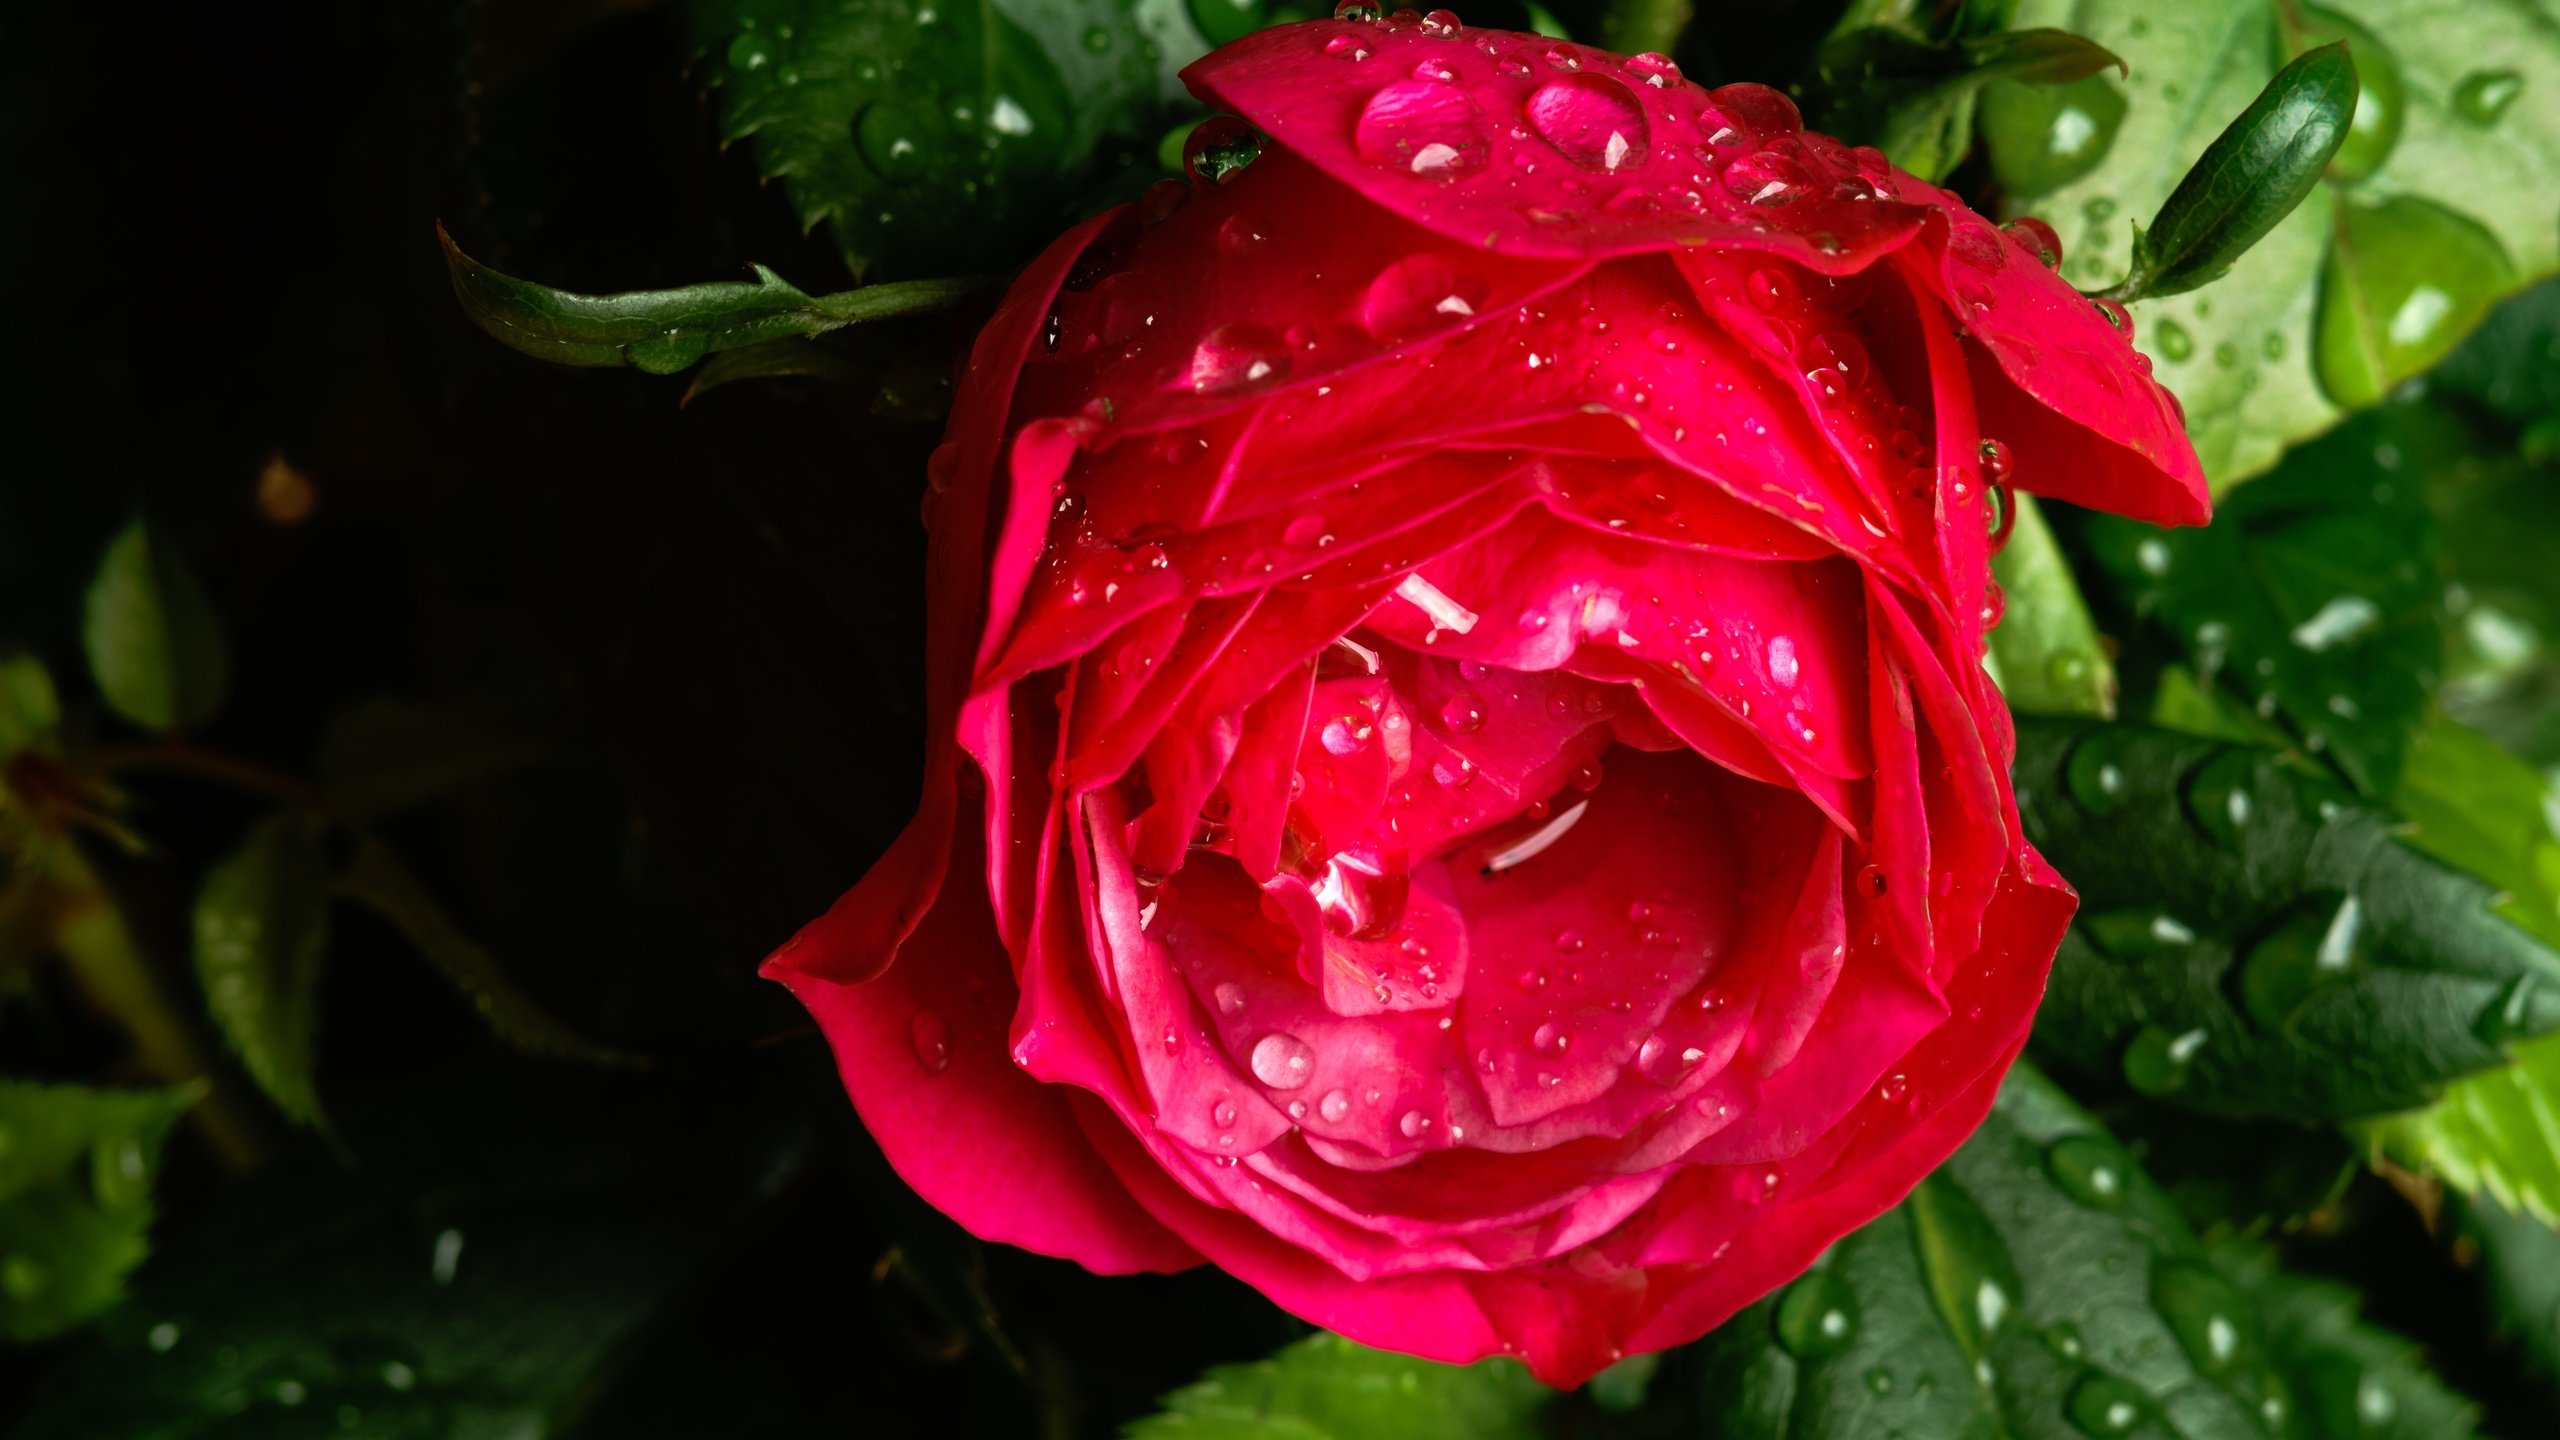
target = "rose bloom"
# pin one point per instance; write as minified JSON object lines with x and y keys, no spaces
{"x":1461,"y":788}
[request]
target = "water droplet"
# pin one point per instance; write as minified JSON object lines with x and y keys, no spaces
{"x":2218,"y":796}
{"x":1363,"y":11}
{"x":1666,"y":1062}
{"x":1282,"y":1061}
{"x":931,"y":1036}
{"x":2039,"y":239}
{"x":2406,"y":279}
{"x":2094,"y":777}
{"x":1767,"y":177}
{"x":1782,"y":660}
{"x":1416,"y":294}
{"x":1230,"y":997}
{"x":1872,"y":882}
{"x":2319,"y":942}
{"x":2205,"y":1311}
{"x":1893,"y":1087}
{"x":1818,"y":1316}
{"x":1591,"y":120}
{"x":893,"y":138}
{"x":1235,"y":357}
{"x":2481,"y":98}
{"x":2090,"y":1169}
{"x":2175,"y":343}
{"x":1422,"y":127}
{"x":1442,"y":24}
{"x":1462,"y":714}
{"x":1219,"y":148}
{"x":750,"y":52}
{"x":1223,"y":1114}
{"x":1550,"y":1039}
{"x":1972,"y":1280}
{"x":2159,"y":1059}
{"x":2103,"y":1405}
{"x":1334,"y":1106}
{"x":1413,"y":1124}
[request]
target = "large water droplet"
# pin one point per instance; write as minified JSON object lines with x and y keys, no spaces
{"x":2205,"y":1311}
{"x":1419,"y":293}
{"x":1666,"y":1062}
{"x":2159,"y":1060}
{"x":1769,"y":178}
{"x":893,"y":137}
{"x":2380,"y":102}
{"x":2095,"y":777}
{"x":1219,"y":148}
{"x":2484,"y":95}
{"x":2090,"y":1169}
{"x":2219,"y":799}
{"x":1592,"y":120}
{"x":2318,"y":943}
{"x":2105,"y":1406}
{"x":1421,"y":127}
{"x":1235,"y":357}
{"x":931,"y":1036}
{"x":1413,"y":1124}
{"x":1282,"y":1061}
{"x":2405,"y":280}
{"x":1818,"y":1317}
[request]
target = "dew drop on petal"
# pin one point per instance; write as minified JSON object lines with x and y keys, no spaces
{"x":1282,"y":1061}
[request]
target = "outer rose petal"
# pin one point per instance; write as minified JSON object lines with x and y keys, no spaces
{"x":982,"y":1142}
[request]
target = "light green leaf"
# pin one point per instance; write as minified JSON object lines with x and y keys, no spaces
{"x":2037,"y":1285}
{"x":2474,"y":136}
{"x":76,"y":1167}
{"x":932,"y":135}
{"x":1326,"y":1388}
{"x":2254,"y":941}
{"x":377,"y":878}
{"x":261,"y":937}
{"x":153,"y":642}
{"x":2050,"y":659}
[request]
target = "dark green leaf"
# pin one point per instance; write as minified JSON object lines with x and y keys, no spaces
{"x":2348,"y":1378}
{"x":153,"y":642}
{"x":376,"y":878}
{"x":933,"y":136}
{"x":2512,"y":362}
{"x":261,"y":936}
{"x":663,"y":331}
{"x":385,"y":755}
{"x":2237,"y":1177}
{"x":2501,"y":523}
{"x":481,"y":1274}
{"x":2473,"y":805}
{"x":2252,"y":176}
{"x":1326,"y":1388}
{"x":2518,"y":1259}
{"x":2255,"y":941}
{"x":2311,"y":598}
{"x":2038,"y":1285}
{"x":2050,"y":659}
{"x":75,"y":1198}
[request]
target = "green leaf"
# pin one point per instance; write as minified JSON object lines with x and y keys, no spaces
{"x":2432,"y":131}
{"x":384,"y":755}
{"x":499,"y":1254}
{"x":2255,"y":941}
{"x":1913,"y":98}
{"x":2473,"y":805}
{"x":2518,"y":1260}
{"x":2051,"y":661}
{"x":154,"y":645}
{"x":792,"y":359}
{"x":2038,"y":1285}
{"x":2248,"y":179}
{"x":76,"y":1167}
{"x":377,"y":878}
{"x":2311,"y":598}
{"x":2348,"y":1378}
{"x":663,"y":331}
{"x":2501,"y":523}
{"x":1326,"y":1388}
{"x":2237,"y":1177}
{"x":931,"y":135}
{"x":2512,"y":362}
{"x":261,"y":937}
{"x":30,"y":712}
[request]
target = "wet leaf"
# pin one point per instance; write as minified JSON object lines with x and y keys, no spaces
{"x":2255,"y":941}
{"x":2311,"y":600}
{"x":261,"y":936}
{"x":932,"y":136}
{"x":2472,"y":804}
{"x":376,"y":878}
{"x":2241,"y":354}
{"x":2039,"y":1284}
{"x":75,"y":1198}
{"x":2347,"y":1377}
{"x":154,"y":644}
{"x":2047,"y":648}
{"x":1326,"y":1388}
{"x":663,"y":331}
{"x":1914,"y":98}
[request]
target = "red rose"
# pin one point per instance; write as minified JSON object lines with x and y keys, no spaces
{"x":1461,"y":789}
